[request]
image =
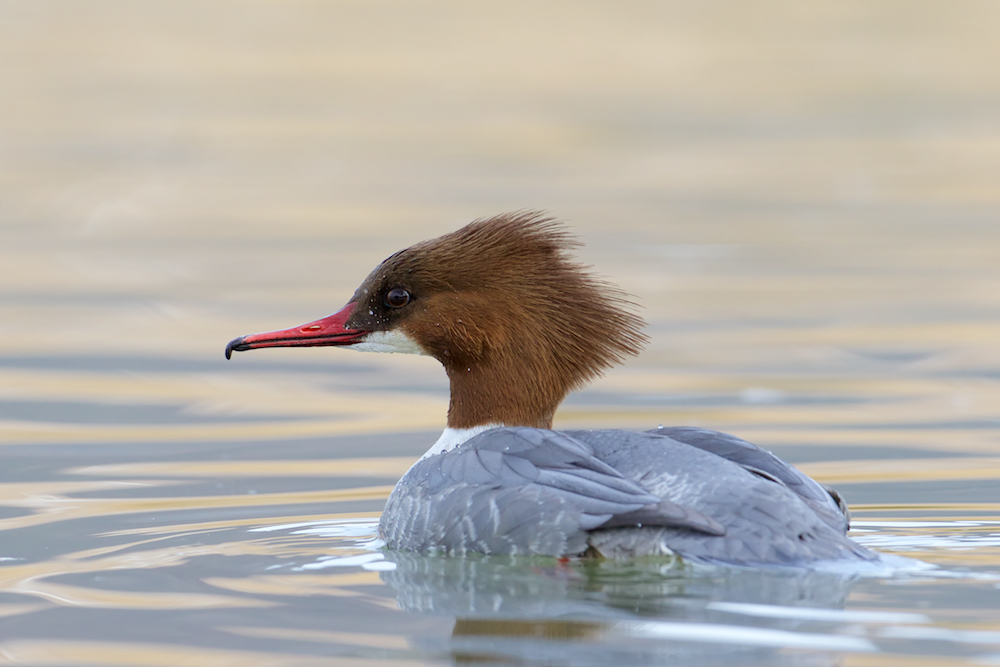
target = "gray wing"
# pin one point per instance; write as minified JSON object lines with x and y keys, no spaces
{"x":520,"y":490}
{"x":823,"y":500}
{"x":766,"y":521}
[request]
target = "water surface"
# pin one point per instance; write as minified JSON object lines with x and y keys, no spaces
{"x":802,"y":198}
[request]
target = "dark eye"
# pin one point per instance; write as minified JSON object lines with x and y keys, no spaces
{"x":397,"y":298}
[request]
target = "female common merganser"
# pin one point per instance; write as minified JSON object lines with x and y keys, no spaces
{"x":518,"y":324}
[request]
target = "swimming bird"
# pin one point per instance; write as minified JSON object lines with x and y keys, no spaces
{"x":517,"y":324}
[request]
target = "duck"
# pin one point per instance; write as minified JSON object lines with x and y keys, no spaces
{"x":518,"y":323}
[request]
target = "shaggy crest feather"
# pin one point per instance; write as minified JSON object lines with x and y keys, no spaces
{"x":505,"y":299}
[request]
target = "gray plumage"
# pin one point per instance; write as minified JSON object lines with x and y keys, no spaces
{"x":701,"y":494}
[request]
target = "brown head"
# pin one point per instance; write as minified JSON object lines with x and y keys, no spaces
{"x":514,"y":320}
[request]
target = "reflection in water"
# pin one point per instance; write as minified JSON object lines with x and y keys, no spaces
{"x":642,"y":611}
{"x":600,"y":612}
{"x":524,"y":587}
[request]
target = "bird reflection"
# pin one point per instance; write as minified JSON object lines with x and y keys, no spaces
{"x":582,"y":612}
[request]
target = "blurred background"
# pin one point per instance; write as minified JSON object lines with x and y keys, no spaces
{"x":804,"y":197}
{"x":791,"y":191}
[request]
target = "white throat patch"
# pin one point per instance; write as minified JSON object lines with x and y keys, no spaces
{"x":388,"y":341}
{"x":453,"y":437}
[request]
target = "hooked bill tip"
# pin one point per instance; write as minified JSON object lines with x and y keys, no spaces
{"x":233,"y":345}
